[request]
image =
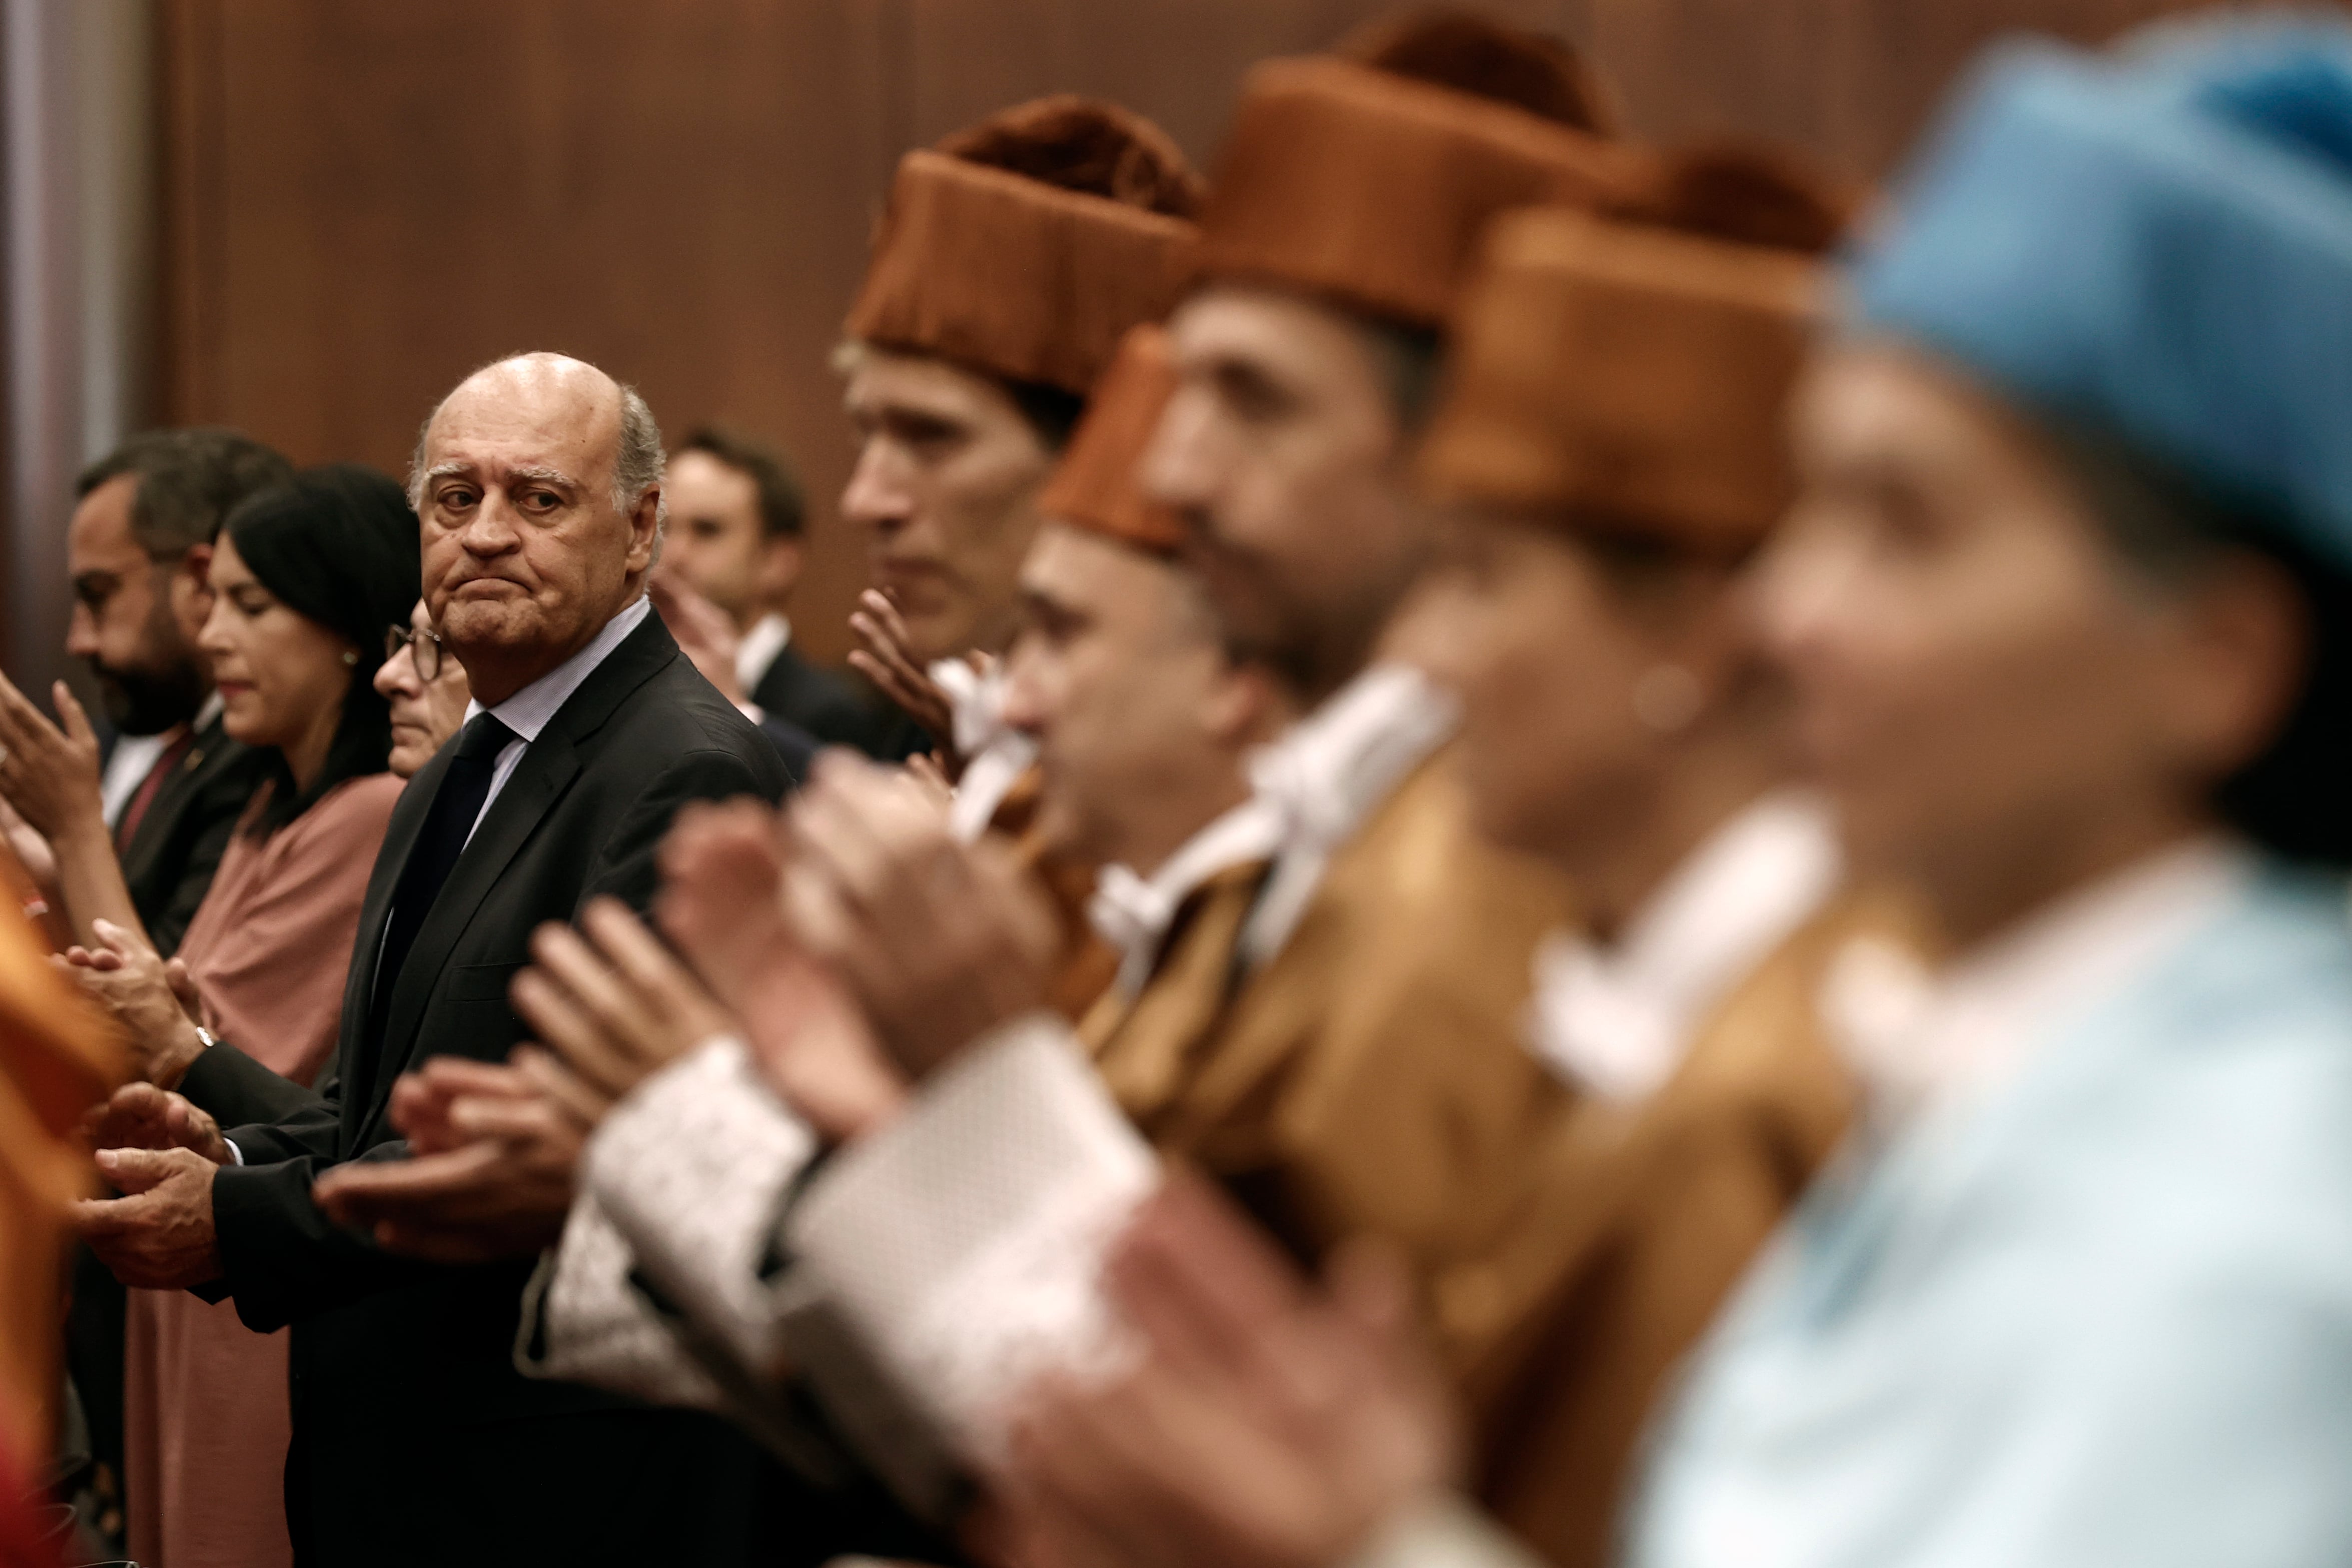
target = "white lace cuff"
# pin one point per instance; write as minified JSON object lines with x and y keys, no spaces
{"x":582,"y":1321}
{"x":692,"y":1168}
{"x":963,"y":1243}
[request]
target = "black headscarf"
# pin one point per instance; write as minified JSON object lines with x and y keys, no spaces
{"x":337,"y":545}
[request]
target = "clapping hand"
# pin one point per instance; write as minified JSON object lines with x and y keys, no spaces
{"x":49,"y":774}
{"x":885,"y":660}
{"x":148,"y":998}
{"x":723,"y":875}
{"x":160,"y":1152}
{"x":141,"y":1116}
{"x":1265,"y":1425}
{"x":704,"y":634}
{"x":494,"y":1153}
{"x":938,"y":941}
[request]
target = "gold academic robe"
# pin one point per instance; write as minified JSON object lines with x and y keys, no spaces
{"x":56,"y":1060}
{"x":1637,"y":1221}
{"x":1370,"y":1077}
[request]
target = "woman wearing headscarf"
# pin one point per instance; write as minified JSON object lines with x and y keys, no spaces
{"x":306,"y":580}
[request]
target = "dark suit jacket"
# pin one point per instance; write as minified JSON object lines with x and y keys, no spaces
{"x":414,"y":1437}
{"x":828,"y":706}
{"x":169,"y":862}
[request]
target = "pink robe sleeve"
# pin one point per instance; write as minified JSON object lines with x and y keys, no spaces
{"x":269,"y":961}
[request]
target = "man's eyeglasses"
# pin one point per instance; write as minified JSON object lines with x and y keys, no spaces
{"x":425,"y":649}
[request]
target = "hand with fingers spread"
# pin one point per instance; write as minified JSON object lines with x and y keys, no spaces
{"x":883,"y":659}
{"x":722,"y":905}
{"x":138,"y":990}
{"x":612,"y":1002}
{"x":939,"y":941}
{"x":704,"y":633}
{"x":47,"y":772}
{"x":495,"y":1152}
{"x":140,"y":1116}
{"x":1266,"y":1425}
{"x":721,"y":899}
{"x":32,"y":851}
{"x":159,"y":1236}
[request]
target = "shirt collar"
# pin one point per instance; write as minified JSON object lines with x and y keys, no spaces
{"x":1920,"y":1038}
{"x":526,"y":713}
{"x":1133,"y":912}
{"x":212,"y":704}
{"x":758,"y":647}
{"x":1617,"y":1021}
{"x":1327,"y":775}
{"x":1334,"y":767}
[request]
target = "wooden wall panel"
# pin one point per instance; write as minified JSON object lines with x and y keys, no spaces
{"x":366,"y":199}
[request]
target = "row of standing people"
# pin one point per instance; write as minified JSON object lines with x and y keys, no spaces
{"x":2016,"y":1009}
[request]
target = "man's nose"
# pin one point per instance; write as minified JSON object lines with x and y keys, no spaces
{"x":875,"y":497}
{"x":1178,"y":469}
{"x":81,"y":633}
{"x":396,"y":677}
{"x":492,"y":530}
{"x":1023,"y":703}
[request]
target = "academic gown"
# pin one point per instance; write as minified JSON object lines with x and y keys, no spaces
{"x":2096,"y":1312}
{"x":1370,"y":1077}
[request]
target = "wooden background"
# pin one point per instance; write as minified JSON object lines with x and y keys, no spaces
{"x":365,"y":198}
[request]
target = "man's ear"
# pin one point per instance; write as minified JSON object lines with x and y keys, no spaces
{"x":781,"y":559}
{"x":645,"y":529}
{"x":1246,"y":707}
{"x":198,"y":565}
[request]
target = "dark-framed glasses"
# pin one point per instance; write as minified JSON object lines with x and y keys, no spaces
{"x":425,"y":649}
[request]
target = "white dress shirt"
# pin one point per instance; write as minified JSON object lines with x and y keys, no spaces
{"x":994,"y":753}
{"x":528,"y":711}
{"x":1617,"y":1021}
{"x":135,"y":756}
{"x":758,"y":650}
{"x":1325,"y":777}
{"x":1133,"y":912}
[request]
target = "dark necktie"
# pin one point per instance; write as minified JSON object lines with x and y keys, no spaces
{"x":439,"y":842}
{"x":126,"y":828}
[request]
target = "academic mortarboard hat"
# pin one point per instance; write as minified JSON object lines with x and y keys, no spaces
{"x":1367,"y":175}
{"x":2155,"y":244}
{"x":1094,"y":486}
{"x":1027,"y":245}
{"x":1630,"y":372}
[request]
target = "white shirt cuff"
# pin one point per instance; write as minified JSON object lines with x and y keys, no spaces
{"x":1442,"y":1531}
{"x":692,"y":1168}
{"x":963,"y":1243}
{"x":584,"y":1321}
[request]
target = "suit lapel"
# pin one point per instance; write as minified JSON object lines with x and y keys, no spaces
{"x":212,"y":745}
{"x":356,"y":1073}
{"x":549,"y":765}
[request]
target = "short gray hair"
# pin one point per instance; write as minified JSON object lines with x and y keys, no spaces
{"x":637,"y":465}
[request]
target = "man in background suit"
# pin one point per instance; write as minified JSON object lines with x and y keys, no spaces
{"x":139,"y":550}
{"x":738,"y":530}
{"x":538,"y":484}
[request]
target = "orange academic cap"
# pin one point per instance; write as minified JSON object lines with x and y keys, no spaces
{"x":1630,"y":372}
{"x":1367,"y":175}
{"x":1095,"y":484}
{"x":1025,"y":245}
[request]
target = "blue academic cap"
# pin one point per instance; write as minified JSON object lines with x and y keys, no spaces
{"x":2156,"y":241}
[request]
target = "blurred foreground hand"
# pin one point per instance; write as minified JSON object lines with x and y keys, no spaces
{"x":1267,"y":1425}
{"x":940,"y":941}
{"x":493,"y":1154}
